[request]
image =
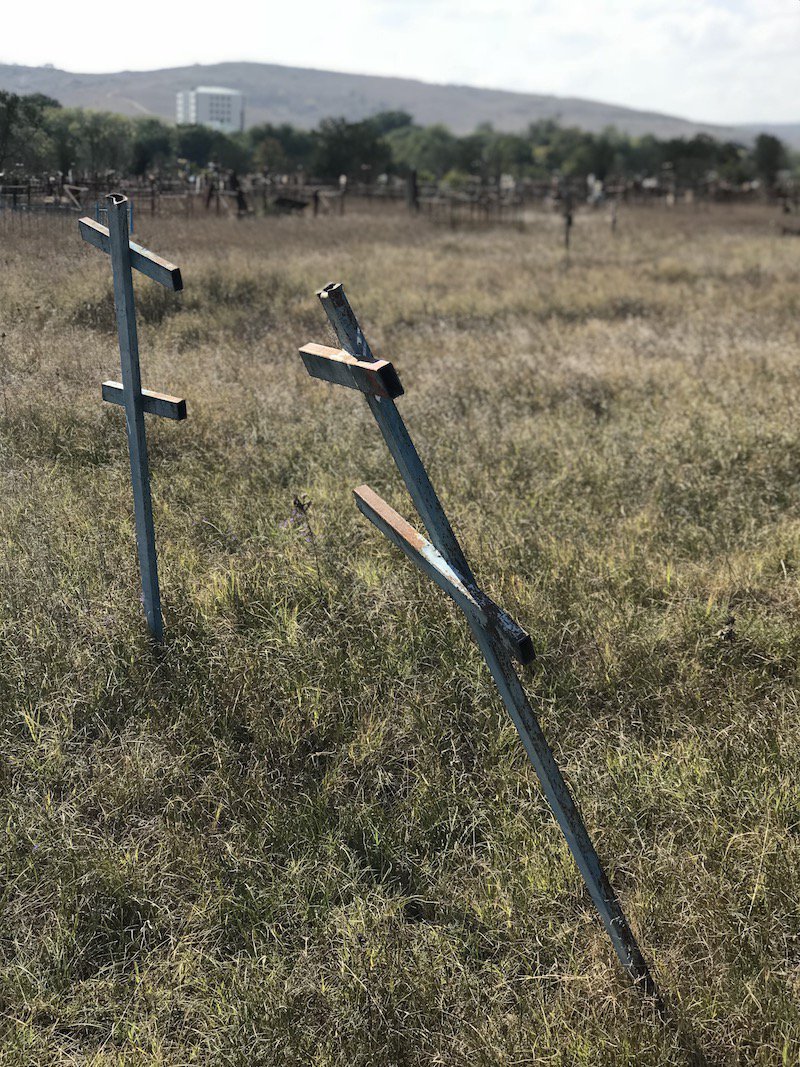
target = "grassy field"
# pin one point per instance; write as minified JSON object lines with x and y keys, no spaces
{"x":305,"y":832}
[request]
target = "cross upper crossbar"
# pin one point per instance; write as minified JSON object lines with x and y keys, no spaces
{"x":142,"y":259}
{"x":377,"y":377}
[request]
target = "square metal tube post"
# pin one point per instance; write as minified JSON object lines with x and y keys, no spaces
{"x":498,"y":636}
{"x":126,"y":257}
{"x":351,"y":338}
{"x":134,"y":412}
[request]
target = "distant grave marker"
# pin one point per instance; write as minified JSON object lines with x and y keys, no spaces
{"x":499,"y":637}
{"x":126,"y":257}
{"x":568,"y":212}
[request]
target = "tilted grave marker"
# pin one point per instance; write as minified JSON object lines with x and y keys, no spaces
{"x":126,"y":257}
{"x":442,"y":559}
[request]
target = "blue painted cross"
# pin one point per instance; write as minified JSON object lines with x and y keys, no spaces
{"x":126,"y":257}
{"x":442,"y":559}
{"x":101,"y":213}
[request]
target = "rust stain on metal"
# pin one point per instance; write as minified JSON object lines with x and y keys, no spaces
{"x":391,"y":518}
{"x":336,"y":365}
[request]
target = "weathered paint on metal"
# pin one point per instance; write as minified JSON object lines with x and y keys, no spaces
{"x":344,"y":322}
{"x":340,"y":368}
{"x":134,"y":411}
{"x":487,"y":635}
{"x":168,"y":407}
{"x":352,"y":340}
{"x":420,"y":551}
{"x":125,"y":256}
{"x":141,"y":259}
{"x":100,"y":211}
{"x":565,"y":810}
{"x":449,"y":569}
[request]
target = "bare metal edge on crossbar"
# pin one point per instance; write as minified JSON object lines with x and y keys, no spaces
{"x":142,"y":259}
{"x":168,"y":407}
{"x":472,"y":601}
{"x":378,"y":378}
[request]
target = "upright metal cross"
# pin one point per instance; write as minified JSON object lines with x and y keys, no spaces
{"x":126,"y":257}
{"x":498,"y":636}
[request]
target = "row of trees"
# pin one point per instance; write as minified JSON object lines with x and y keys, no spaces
{"x":38,"y":135}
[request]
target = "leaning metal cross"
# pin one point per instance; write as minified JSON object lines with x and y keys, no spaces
{"x":126,"y":257}
{"x":498,"y":636}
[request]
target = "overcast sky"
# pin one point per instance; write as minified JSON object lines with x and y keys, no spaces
{"x":721,"y":61}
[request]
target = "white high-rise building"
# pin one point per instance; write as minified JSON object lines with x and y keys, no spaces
{"x":210,"y":105}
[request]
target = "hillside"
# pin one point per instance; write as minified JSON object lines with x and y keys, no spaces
{"x":303,"y":97}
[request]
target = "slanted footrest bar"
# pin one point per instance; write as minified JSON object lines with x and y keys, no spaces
{"x":472,"y":601}
{"x":142,"y":259}
{"x":339,"y":367}
{"x":168,"y":407}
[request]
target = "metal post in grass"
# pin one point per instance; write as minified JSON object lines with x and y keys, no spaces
{"x":441,"y":558}
{"x":137,"y":402}
{"x":568,"y":213}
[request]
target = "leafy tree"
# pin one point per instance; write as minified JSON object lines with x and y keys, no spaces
{"x":430,"y":150}
{"x":643,"y":156}
{"x":296,"y":146}
{"x":42,"y":101}
{"x":63,"y":132}
{"x":104,"y":141}
{"x":23,"y":140}
{"x":769,"y":156}
{"x":36,"y":134}
{"x":153,"y":145}
{"x":196,"y":143}
{"x":233,"y":151}
{"x":507,"y":153}
{"x":386,"y":121}
{"x":202,"y":145}
{"x":349,"y":148}
{"x":270,"y":156}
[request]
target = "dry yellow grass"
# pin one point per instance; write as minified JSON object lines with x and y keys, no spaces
{"x":305,"y":832}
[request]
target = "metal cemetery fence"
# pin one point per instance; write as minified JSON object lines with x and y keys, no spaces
{"x":442,"y":559}
{"x":125,"y":257}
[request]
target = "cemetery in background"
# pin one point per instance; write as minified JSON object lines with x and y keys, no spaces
{"x":62,"y":160}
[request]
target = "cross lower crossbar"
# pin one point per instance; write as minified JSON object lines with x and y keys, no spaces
{"x":142,"y":259}
{"x":168,"y":407}
{"x":472,"y":601}
{"x":378,"y":378}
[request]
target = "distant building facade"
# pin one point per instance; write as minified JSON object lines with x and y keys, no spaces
{"x":211,"y":105}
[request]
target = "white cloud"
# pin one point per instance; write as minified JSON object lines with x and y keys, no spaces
{"x":717,"y":60}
